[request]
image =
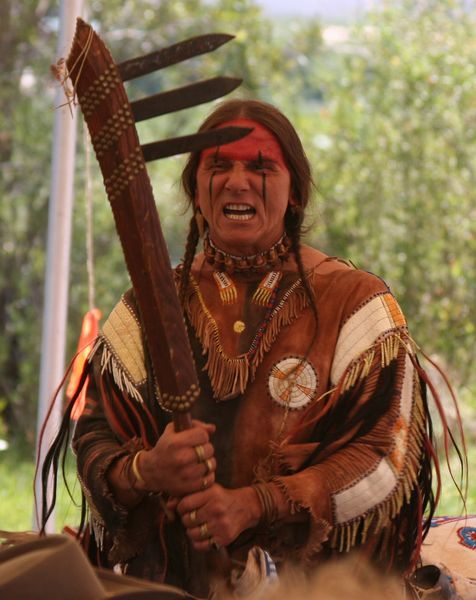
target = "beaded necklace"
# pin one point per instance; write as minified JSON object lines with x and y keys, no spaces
{"x":261,"y":262}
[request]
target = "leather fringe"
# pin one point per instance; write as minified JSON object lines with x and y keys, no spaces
{"x":230,"y":375}
{"x":96,"y":524}
{"x":388,"y":348}
{"x":344,"y":536}
{"x":111,"y":365}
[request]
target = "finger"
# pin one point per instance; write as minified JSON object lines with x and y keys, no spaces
{"x":192,"y":437}
{"x":209,"y":427}
{"x":210,"y":465}
{"x":203,"y":539}
{"x":202,"y":452}
{"x":201,"y":533}
{"x":200,"y":483}
{"x":191,"y":519}
{"x":207,"y":481}
{"x":196,"y":500}
{"x":172,"y":503}
{"x":185,"y":458}
{"x":186,"y":486}
{"x":198,"y":471}
{"x":205,"y":546}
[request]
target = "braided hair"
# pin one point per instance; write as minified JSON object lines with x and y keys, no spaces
{"x":190,"y":248}
{"x":296,"y":161}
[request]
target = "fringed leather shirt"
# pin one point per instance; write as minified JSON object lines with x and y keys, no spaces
{"x":332,"y":410}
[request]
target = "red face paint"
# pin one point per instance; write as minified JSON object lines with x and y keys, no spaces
{"x":243,"y":191}
{"x":260,"y":140}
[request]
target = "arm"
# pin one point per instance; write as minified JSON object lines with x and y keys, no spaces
{"x":367,"y":477}
{"x":109,"y":434}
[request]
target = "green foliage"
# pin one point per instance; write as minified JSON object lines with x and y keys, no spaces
{"x":17,"y":470}
{"x":25,"y":142}
{"x":398,"y":178}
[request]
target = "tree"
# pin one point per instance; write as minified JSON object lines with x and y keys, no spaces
{"x":25,"y":140}
{"x":397,"y":174}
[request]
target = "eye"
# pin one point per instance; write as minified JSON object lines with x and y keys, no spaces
{"x":261,"y":166}
{"x":219,"y":164}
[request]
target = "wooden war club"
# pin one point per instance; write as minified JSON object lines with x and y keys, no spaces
{"x":110,"y":117}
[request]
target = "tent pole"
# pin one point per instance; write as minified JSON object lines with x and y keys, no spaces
{"x":55,"y":309}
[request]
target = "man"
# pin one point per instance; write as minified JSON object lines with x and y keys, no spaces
{"x":309,"y":436}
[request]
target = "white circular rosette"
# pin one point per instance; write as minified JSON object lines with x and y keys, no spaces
{"x":292,"y":382}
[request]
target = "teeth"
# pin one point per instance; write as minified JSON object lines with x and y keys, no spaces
{"x":234,"y":217}
{"x":238,"y":207}
{"x":239,"y":212}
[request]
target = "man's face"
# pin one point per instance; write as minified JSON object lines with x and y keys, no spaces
{"x":243,"y":190}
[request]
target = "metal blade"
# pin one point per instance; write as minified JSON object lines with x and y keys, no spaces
{"x":193,"y":143}
{"x":136,"y":67}
{"x":183,"y":97}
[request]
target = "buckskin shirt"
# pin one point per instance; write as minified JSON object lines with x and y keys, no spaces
{"x":333,"y":414}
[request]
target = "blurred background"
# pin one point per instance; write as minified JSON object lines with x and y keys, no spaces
{"x":383,"y":95}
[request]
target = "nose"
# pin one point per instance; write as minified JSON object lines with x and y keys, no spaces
{"x":237,"y":180}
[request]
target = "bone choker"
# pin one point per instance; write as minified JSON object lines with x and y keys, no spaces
{"x":258,"y":263}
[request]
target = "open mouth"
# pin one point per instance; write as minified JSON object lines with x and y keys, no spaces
{"x":239,"y":212}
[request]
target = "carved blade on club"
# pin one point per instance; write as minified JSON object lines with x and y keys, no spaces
{"x":165,"y":57}
{"x":193,"y":143}
{"x":184,"y":97}
{"x":108,"y":114}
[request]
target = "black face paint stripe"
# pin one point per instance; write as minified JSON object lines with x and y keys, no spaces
{"x":210,"y":186}
{"x":263,"y":176}
{"x":210,"y":183}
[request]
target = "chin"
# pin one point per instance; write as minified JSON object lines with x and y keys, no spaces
{"x":236,"y":238}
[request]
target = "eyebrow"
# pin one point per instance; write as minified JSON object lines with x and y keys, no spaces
{"x":211,"y":159}
{"x":262,"y":160}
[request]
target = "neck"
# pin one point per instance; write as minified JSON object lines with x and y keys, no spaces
{"x":268,"y":260}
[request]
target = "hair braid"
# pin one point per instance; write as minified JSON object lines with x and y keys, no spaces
{"x":293,"y":223}
{"x":190,"y":248}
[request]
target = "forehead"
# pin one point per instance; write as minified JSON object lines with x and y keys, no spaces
{"x":260,"y":140}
